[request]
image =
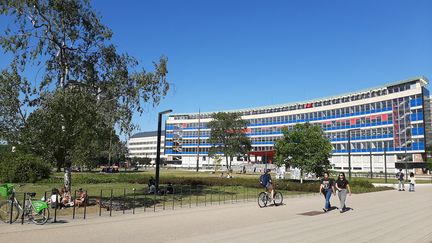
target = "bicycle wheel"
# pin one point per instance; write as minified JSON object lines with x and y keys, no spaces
{"x":39,"y":218}
{"x":262,"y":199}
{"x":5,"y":210}
{"x":278,"y":199}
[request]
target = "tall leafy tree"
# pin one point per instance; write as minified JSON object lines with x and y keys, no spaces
{"x":12,"y":114}
{"x":79,"y":136}
{"x":304,"y":147}
{"x":66,"y":44}
{"x":228,"y":136}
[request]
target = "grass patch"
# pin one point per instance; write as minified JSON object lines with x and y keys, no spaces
{"x":130,"y":180}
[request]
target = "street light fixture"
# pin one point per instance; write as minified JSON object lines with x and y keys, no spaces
{"x":349,"y":150}
{"x":158,"y":147}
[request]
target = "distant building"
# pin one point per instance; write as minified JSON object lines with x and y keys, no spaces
{"x":143,"y":145}
{"x":393,"y":120}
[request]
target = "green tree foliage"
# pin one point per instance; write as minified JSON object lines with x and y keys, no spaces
{"x":228,"y":136}
{"x":68,"y":48}
{"x":304,"y":147}
{"x":22,"y":167}
{"x":79,"y":135}
{"x":12,"y":116}
{"x":429,"y":164}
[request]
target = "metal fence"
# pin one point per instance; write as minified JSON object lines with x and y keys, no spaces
{"x":107,"y":202}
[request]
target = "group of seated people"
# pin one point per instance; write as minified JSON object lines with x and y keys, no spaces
{"x":152,"y":187}
{"x":228,"y":175}
{"x":110,"y":170}
{"x":62,"y":198}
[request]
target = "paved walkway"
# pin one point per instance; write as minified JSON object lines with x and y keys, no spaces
{"x":389,"y":216}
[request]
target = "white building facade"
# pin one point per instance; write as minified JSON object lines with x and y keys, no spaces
{"x":386,"y":125}
{"x":144,"y":144}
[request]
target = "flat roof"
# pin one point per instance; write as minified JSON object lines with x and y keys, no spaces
{"x":424,"y":81}
{"x":145,"y":134}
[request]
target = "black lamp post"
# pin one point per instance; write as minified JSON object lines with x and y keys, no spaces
{"x":385,"y":164}
{"x":159,"y":134}
{"x":406,"y":158}
{"x":370,"y":159}
{"x":349,"y":150}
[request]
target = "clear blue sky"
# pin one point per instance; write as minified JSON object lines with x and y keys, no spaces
{"x":237,"y":54}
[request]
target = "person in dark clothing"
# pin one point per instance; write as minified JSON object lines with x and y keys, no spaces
{"x":326,"y":189}
{"x":151,"y":182}
{"x":266,"y":182}
{"x":401,"y":177}
{"x":342,"y":186}
{"x":169,"y":189}
{"x":151,"y":185}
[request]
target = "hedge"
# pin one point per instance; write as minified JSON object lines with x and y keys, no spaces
{"x":22,"y":167}
{"x":289,"y":185}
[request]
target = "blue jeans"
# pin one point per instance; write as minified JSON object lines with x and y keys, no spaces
{"x":327,"y":194}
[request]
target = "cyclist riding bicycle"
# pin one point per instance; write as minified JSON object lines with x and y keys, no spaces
{"x":266,"y":182}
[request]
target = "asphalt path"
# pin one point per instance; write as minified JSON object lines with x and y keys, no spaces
{"x":389,"y":216}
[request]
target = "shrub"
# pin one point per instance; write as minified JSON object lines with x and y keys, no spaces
{"x":362,"y":183}
{"x":357,"y":186}
{"x":22,"y":167}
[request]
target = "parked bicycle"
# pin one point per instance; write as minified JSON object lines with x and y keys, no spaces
{"x":36,"y":211}
{"x":264,"y":199}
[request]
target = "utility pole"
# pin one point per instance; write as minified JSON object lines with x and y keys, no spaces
{"x":370,"y":160}
{"x":406,"y":165}
{"x":385,"y":163}
{"x":349,"y":150}
{"x":199,"y":130}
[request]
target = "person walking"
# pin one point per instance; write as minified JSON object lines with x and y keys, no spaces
{"x":342,"y":185}
{"x":412,"y":182}
{"x":401,"y":177}
{"x":326,"y":189}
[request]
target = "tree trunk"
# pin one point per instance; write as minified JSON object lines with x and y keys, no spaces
{"x":301,"y":176}
{"x":67,"y":178}
{"x":227,"y":165}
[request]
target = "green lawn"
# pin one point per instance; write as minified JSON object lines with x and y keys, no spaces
{"x":191,"y":189}
{"x":125,"y":197}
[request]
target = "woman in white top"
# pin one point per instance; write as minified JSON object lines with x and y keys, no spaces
{"x":412,"y":182}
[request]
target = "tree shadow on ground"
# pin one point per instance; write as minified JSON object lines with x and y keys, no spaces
{"x":141,"y":198}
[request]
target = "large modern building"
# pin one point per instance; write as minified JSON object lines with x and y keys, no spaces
{"x":392,"y":120}
{"x":143,"y":145}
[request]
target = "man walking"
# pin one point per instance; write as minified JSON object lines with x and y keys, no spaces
{"x":400,"y":176}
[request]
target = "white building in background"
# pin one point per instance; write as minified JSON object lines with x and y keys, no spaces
{"x":144,"y":144}
{"x":387,"y":125}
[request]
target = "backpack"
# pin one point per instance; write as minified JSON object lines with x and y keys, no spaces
{"x":263,"y":180}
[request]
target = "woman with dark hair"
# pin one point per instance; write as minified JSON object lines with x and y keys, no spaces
{"x":342,"y":185}
{"x":326,"y":189}
{"x":412,"y":182}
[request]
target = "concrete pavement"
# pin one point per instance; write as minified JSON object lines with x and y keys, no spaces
{"x":377,"y":217}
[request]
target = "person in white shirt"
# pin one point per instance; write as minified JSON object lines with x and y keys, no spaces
{"x":412,"y":182}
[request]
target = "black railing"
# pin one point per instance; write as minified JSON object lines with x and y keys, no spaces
{"x":170,"y":197}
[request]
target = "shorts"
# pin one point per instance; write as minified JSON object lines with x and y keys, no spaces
{"x":269,"y":187}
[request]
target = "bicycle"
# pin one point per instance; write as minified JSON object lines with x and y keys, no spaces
{"x":36,"y":211}
{"x":264,"y":198}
